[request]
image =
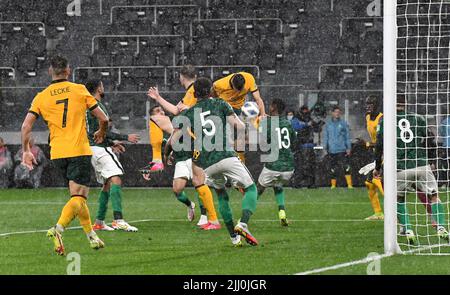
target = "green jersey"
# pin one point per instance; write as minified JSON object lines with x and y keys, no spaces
{"x":282,"y":137}
{"x":180,"y":154}
{"x":92,"y":127}
{"x":208,"y":121}
{"x":411,"y":141}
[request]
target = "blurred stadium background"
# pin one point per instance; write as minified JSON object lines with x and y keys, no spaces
{"x":318,"y":53}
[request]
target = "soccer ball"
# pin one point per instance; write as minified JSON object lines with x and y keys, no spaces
{"x":250,"y":109}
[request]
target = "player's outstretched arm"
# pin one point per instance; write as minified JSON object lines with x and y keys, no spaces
{"x":259,"y":101}
{"x":103,"y":121}
{"x":153,"y":93}
{"x":27,"y":157}
{"x":234,"y":121}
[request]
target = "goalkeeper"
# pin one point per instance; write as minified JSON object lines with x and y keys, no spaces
{"x":414,"y":171}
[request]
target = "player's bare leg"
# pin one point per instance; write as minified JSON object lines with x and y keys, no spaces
{"x":178,"y":187}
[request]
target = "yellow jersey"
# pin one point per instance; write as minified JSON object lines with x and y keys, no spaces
{"x":63,"y":106}
{"x":189,"y":98}
{"x":372,"y":127}
{"x":235,"y":98}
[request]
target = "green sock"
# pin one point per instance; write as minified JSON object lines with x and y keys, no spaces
{"x":102,"y":205}
{"x":402,"y":214}
{"x":183,"y":198}
{"x":279,"y":195}
{"x":225,"y":211}
{"x":437,"y":210}
{"x":249,"y":203}
{"x":116,"y":200}
{"x":200,"y":203}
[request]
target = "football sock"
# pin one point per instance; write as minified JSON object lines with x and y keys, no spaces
{"x":402,"y":215}
{"x":333,"y":182}
{"x":183,"y":198}
{"x":378,"y":184}
{"x":225,"y":210}
{"x":249,"y":203}
{"x":206,"y":196}
{"x":116,"y":200}
{"x":70,"y":210}
{"x":279,"y":196}
{"x":373,"y":197}
{"x":102,"y":205}
{"x":85,"y":218}
{"x":438,"y":213}
{"x":156,"y":140}
{"x":348,"y":178}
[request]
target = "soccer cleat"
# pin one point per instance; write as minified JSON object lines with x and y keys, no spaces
{"x":102,"y":226}
{"x":242,"y":229}
{"x":56,"y":238}
{"x":202,"y":221}
{"x":211,"y":226}
{"x":410,"y":237}
{"x":350,"y":187}
{"x":121,"y":224}
{"x":376,"y":216}
{"x":442,"y":233}
{"x":95,"y":241}
{"x":333,"y":187}
{"x":191,"y":212}
{"x":236,"y":240}
{"x":282,"y":217}
{"x":152,"y":167}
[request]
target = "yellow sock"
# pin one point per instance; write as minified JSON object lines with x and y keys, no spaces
{"x":85,"y":218}
{"x":378,"y":184}
{"x":207,"y":199}
{"x":333,"y":182}
{"x":348,"y":178}
{"x":373,"y":197}
{"x":241,"y":156}
{"x":70,"y":211}
{"x":156,"y":140}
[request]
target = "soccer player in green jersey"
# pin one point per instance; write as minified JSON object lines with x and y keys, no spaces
{"x":413,"y":169}
{"x":206,"y":123}
{"x":279,"y":133}
{"x":108,"y":169}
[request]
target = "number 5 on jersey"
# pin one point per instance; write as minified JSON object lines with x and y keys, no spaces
{"x":206,"y":122}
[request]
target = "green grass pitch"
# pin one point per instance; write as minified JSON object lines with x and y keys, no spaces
{"x":326,"y":229}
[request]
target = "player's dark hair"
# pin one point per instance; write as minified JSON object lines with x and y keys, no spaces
{"x":202,"y":87}
{"x":238,"y":81}
{"x":59,"y":63}
{"x":152,"y":110}
{"x":189,"y":72}
{"x":279,"y":104}
{"x":336,"y":107}
{"x":92,"y":85}
{"x":401,"y":99}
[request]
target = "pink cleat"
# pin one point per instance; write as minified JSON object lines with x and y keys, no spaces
{"x":152,"y":167}
{"x":211,"y":226}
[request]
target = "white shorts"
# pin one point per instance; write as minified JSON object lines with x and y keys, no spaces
{"x":183,"y":169}
{"x":419,"y":178}
{"x":228,"y":169}
{"x":105,"y":164}
{"x":270,"y":178}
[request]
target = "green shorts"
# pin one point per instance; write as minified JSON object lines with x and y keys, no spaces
{"x":77,"y":169}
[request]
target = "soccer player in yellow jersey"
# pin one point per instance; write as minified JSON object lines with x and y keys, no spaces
{"x":234,"y":89}
{"x":373,"y":185}
{"x":63,"y":106}
{"x":183,"y":163}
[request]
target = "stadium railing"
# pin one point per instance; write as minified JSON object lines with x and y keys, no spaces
{"x":349,"y":68}
{"x":236,"y":21}
{"x":357,"y":18}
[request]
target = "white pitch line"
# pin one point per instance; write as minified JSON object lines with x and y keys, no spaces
{"x":184,"y":220}
{"x":368,"y":259}
{"x":167,"y":202}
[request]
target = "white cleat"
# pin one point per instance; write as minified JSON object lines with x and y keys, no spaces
{"x":203,"y":220}
{"x":191,"y":212}
{"x":410,"y":237}
{"x":121,"y":224}
{"x":95,"y":242}
{"x":236,"y":240}
{"x":102,"y":226}
{"x":442,"y":233}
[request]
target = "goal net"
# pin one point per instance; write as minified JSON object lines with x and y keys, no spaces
{"x":422,"y":121}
